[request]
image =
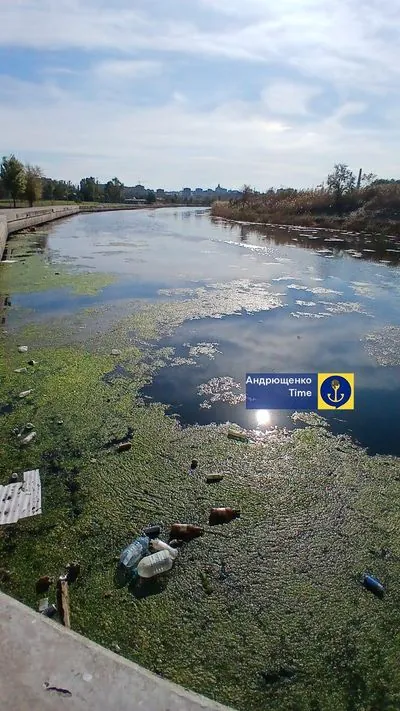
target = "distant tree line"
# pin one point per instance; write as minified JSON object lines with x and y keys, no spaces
{"x":27,"y":182}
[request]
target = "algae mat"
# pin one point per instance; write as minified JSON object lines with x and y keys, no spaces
{"x":264,"y":613}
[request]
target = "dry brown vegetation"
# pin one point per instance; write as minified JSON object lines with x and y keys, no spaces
{"x":373,"y":208}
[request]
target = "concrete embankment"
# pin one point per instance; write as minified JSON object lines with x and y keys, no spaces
{"x":15,"y":220}
{"x":48,"y":667}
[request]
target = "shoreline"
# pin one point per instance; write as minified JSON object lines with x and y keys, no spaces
{"x":385,"y":229}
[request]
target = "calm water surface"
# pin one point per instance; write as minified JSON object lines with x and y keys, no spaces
{"x":326,"y":300}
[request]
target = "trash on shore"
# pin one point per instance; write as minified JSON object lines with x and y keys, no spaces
{"x":155,"y":564}
{"x":29,"y":438}
{"x":63,"y":601}
{"x":282,"y":674}
{"x":29,"y":426}
{"x":238,"y":435}
{"x":214,"y":478}
{"x":43,"y":584}
{"x":175,"y":543}
{"x":32,"y":362}
{"x":25,"y":393}
{"x":21,"y":370}
{"x":222,"y":515}
{"x":373,"y":585}
{"x":50,"y":611}
{"x":43,"y":604}
{"x":158,"y":545}
{"x":152,"y":531}
{"x":194,"y":464}
{"x":132,"y":554}
{"x":115,"y":352}
{"x":185,"y":531}
{"x":124,"y":446}
{"x":23,"y":349}
{"x":73,"y":571}
{"x":21,"y":499}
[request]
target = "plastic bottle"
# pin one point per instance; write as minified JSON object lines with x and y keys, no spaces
{"x":185,"y":531}
{"x":132,"y":554}
{"x":237,"y":434}
{"x":154,"y":564}
{"x":222,"y":515}
{"x":159,"y":545}
{"x":152,"y":531}
{"x":374,"y":585}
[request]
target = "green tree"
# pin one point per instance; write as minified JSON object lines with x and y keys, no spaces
{"x":47,"y":188}
{"x":12,"y":176}
{"x":113,"y":191}
{"x":59,"y":190}
{"x":33,"y":183}
{"x":341,"y":181}
{"x":150,"y":197}
{"x":90,"y":190}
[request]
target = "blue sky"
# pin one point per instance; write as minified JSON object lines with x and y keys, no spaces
{"x":196,"y":92}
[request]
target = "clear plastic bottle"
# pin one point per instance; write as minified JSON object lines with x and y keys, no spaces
{"x":155,"y":564}
{"x":158,"y":545}
{"x":132,"y":554}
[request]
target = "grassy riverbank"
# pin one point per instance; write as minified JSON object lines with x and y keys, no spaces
{"x":373,"y":209}
{"x":264,"y":613}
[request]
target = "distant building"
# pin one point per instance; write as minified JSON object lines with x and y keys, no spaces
{"x":220,"y":191}
{"x":187,"y":192}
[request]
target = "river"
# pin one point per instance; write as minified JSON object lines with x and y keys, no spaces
{"x":140,"y":327}
{"x":277,"y":300}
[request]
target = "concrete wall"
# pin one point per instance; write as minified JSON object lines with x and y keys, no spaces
{"x":21,"y":219}
{"x":38,"y":654}
{"x":3,"y":234}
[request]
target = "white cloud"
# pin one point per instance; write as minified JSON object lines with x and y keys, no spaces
{"x":288,"y":98}
{"x":334,"y":46}
{"x":171,"y":145}
{"x":126,"y":68}
{"x":334,"y":41}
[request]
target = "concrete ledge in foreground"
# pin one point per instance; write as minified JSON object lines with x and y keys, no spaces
{"x":36,"y":651}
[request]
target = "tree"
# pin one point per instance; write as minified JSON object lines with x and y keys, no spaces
{"x":47,"y":188}
{"x":90,"y":190}
{"x":150,"y":197}
{"x":33,"y":183}
{"x":12,"y":176}
{"x":368,"y":179}
{"x":246,"y":193}
{"x":340,"y":182}
{"x":113,"y":191}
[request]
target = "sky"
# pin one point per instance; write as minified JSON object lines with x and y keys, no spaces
{"x":176,"y":93}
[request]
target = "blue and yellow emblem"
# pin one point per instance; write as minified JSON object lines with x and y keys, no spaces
{"x":335,"y":391}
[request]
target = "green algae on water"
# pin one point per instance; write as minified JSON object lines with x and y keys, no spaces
{"x":277,"y":588}
{"x":33,"y":271}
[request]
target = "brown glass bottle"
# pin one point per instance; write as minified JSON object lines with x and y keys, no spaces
{"x":222,"y":515}
{"x":185,"y":531}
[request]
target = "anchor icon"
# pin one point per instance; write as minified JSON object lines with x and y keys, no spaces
{"x":335,"y":385}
